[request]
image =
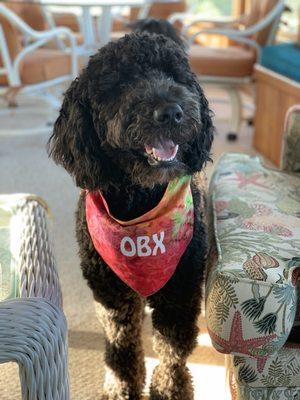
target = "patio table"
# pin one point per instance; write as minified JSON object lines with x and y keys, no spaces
{"x":87,"y":18}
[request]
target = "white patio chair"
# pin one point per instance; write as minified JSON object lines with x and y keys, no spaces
{"x":233,"y":66}
{"x":32,"y":68}
{"x":41,"y":18}
{"x":33,"y":328}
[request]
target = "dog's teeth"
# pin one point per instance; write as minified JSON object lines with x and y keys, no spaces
{"x":159,"y":159}
{"x":170,"y":159}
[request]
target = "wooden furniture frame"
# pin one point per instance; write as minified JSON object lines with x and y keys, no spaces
{"x":275,"y":94}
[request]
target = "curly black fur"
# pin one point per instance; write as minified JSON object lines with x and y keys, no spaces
{"x":99,"y":137}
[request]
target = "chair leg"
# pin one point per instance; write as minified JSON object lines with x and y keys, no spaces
{"x":236,"y":112}
{"x":15,"y":111}
{"x":33,"y":333}
{"x":10,"y":96}
{"x":52,"y":98}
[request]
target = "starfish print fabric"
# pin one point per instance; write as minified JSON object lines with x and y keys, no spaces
{"x":278,"y":380}
{"x":144,"y":252}
{"x":253,"y":285}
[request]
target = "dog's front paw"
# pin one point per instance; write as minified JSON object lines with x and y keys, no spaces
{"x":171,"y":383}
{"x":119,"y":397}
{"x":115,"y":388}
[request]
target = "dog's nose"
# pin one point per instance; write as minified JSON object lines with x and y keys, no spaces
{"x":171,"y":112}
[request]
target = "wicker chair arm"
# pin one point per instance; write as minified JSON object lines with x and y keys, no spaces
{"x":33,"y":333}
{"x":36,"y":263}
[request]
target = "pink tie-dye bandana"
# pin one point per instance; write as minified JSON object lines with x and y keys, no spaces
{"x":145,"y":251}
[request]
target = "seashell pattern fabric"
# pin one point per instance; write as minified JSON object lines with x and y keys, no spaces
{"x":253,"y":287}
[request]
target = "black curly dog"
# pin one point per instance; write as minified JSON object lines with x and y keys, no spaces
{"x":137,"y":92}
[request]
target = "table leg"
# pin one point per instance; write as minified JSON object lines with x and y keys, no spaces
{"x":144,"y":10}
{"x":105,"y":25}
{"x":87,"y":27}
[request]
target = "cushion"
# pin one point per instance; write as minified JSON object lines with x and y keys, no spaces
{"x":33,"y":15}
{"x":290,"y":154}
{"x":251,"y":288}
{"x":79,"y":40}
{"x":69,"y":20}
{"x":284,"y":59}
{"x":232,"y":61}
{"x":45,"y":64}
{"x":279,"y":379}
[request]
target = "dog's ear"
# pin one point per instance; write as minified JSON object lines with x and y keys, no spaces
{"x":75,"y":143}
{"x":198,"y":152}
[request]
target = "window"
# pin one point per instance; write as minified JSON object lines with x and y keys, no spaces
{"x":211,"y":8}
{"x":289,"y":27}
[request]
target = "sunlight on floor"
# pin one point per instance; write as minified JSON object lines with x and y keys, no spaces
{"x":204,"y":340}
{"x":204,"y":376}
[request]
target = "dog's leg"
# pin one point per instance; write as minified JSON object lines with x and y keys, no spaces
{"x":120,"y":311}
{"x":124,"y":359}
{"x":171,"y":378}
{"x":175,"y":333}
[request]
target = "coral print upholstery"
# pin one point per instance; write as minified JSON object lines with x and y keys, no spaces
{"x":252,"y":292}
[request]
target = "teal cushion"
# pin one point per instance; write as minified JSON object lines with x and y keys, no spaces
{"x":284,"y":59}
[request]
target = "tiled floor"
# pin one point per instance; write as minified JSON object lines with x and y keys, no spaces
{"x":25,"y":167}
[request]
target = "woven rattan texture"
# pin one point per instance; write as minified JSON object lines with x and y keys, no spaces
{"x":38,"y":274}
{"x":33,"y":328}
{"x":33,"y":334}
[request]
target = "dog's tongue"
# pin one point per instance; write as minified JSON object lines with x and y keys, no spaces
{"x":165,"y":149}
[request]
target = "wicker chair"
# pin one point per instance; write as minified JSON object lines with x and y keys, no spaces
{"x":33,"y":328}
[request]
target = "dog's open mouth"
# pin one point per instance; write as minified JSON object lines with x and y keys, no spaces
{"x":164,"y":151}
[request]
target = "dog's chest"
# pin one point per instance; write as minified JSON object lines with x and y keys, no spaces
{"x":129,"y":204}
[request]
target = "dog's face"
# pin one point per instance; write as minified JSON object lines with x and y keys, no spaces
{"x":155,"y":124}
{"x":135,"y":113}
